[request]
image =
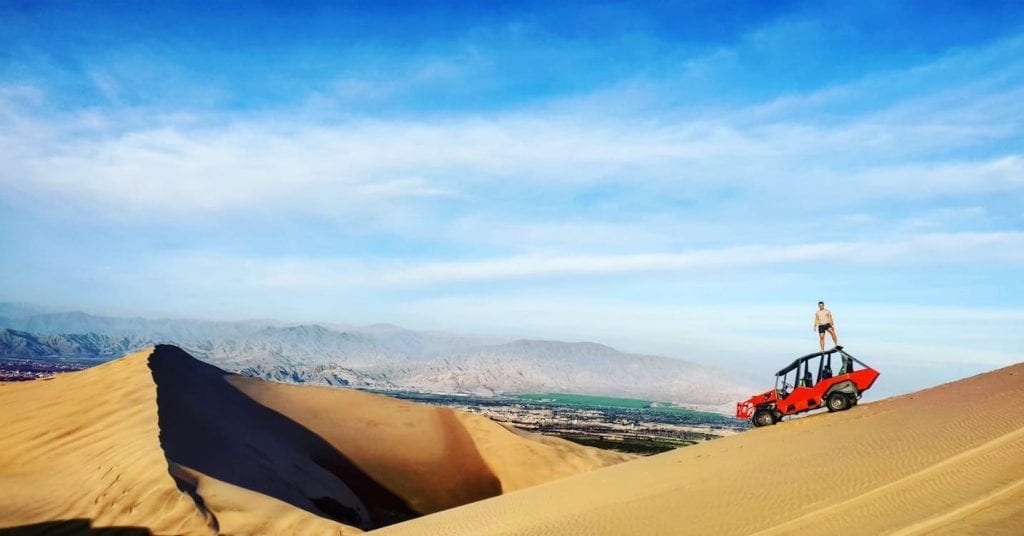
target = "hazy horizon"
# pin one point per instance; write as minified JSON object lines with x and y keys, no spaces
{"x":754,"y":365}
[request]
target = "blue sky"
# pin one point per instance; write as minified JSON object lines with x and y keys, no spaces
{"x":686,"y":178}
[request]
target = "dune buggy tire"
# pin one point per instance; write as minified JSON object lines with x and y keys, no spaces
{"x":764,"y":417}
{"x":838,"y":402}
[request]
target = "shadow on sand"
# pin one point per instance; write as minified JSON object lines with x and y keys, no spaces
{"x":209,"y":426}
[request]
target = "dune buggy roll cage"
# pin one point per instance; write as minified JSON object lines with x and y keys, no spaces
{"x":802,"y":368}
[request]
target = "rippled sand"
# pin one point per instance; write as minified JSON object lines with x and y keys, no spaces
{"x":947,"y":460}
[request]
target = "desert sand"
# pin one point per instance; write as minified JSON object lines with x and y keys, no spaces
{"x":162,"y":442}
{"x":946,"y":460}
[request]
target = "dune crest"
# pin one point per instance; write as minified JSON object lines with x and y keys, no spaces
{"x":162,"y":441}
{"x":946,"y":460}
{"x":86,"y":445}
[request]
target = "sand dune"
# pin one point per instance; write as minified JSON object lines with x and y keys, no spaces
{"x":160,"y":441}
{"x":947,"y":460}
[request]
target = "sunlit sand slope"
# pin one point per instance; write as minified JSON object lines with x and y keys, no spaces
{"x":86,"y":445}
{"x":93,"y":445}
{"x":947,"y":460}
{"x":162,"y":441}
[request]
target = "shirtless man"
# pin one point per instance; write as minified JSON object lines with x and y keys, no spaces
{"x":823,"y":322}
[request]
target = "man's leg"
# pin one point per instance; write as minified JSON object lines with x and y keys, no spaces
{"x":821,"y":338}
{"x":835,"y":338}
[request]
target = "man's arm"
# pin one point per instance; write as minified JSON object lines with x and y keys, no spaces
{"x":815,"y":326}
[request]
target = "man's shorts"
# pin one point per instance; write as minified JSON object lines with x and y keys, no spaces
{"x":824,"y":327}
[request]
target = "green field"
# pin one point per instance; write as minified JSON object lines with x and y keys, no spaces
{"x":613,"y":402}
{"x":586,"y":400}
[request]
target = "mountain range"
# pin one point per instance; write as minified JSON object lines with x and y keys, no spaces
{"x":379,"y":356}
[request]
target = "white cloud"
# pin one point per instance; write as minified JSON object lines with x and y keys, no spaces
{"x":408,"y":187}
{"x":303,"y":168}
{"x":923,"y":249}
{"x":1006,"y":249}
{"x":898,"y":149}
{"x":1004,"y":174}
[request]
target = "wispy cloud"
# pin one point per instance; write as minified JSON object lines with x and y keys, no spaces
{"x":1004,"y":174}
{"x":1005,"y":249}
{"x":216,"y":162}
{"x":246,"y":164}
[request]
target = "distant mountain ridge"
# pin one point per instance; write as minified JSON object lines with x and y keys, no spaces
{"x":17,"y":316}
{"x":84,"y":346}
{"x":379,"y":356}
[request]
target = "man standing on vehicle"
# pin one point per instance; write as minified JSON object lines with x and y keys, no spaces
{"x":823,"y":322}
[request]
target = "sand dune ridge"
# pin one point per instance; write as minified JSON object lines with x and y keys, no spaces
{"x":161,"y":441}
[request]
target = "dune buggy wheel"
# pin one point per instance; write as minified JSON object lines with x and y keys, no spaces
{"x":838,"y":402}
{"x":764,"y":417}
